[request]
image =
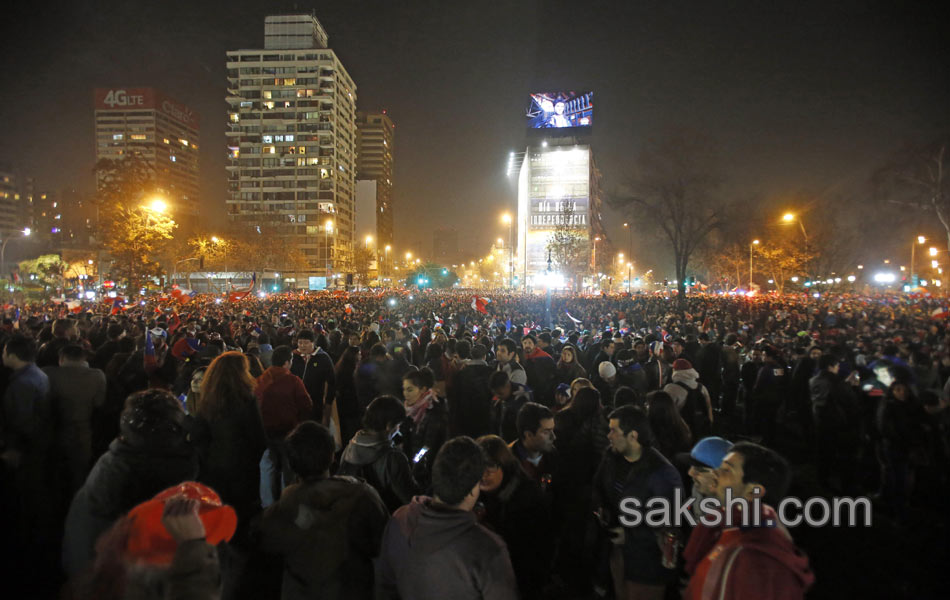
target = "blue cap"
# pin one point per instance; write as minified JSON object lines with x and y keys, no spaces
{"x":709,"y":452}
{"x":563,"y":388}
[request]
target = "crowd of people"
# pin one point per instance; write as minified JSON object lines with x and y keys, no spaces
{"x":421,"y":445}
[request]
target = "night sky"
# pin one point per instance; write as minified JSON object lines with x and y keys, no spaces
{"x":804,"y":99}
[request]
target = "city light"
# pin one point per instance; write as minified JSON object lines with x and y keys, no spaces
{"x":885,"y":277}
{"x":933,"y":251}
{"x":157,"y":205}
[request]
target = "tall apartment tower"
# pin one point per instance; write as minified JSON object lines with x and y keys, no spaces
{"x":147,"y":124}
{"x":375,"y":163}
{"x":10,"y":209}
{"x":292,"y":144}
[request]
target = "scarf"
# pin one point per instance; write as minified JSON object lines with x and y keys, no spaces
{"x":418,"y":410}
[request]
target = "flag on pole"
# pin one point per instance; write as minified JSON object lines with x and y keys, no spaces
{"x":479,"y":304}
{"x":242,"y":294}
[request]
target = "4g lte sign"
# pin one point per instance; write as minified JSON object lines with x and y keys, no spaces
{"x":121,"y":98}
{"x":144,"y":98}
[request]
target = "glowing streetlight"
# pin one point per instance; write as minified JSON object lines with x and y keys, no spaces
{"x":751,"y":246}
{"x":933,"y":251}
{"x":157,"y":205}
{"x":921,"y":239}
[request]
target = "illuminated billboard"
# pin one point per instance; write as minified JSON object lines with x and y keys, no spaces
{"x":147,"y":99}
{"x":561,"y":110}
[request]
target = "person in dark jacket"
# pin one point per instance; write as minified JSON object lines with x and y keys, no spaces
{"x":232,"y":436}
{"x":670,"y":432}
{"x":106,"y":351}
{"x":315,"y":367}
{"x":836,"y":416}
{"x":508,"y":399}
{"x":568,"y":367}
{"x":347,"y":403}
{"x":435,"y":548}
{"x":152,"y":453}
{"x":372,"y":455}
{"x":633,"y":468}
{"x":469,"y":400}
{"x":26,"y":439}
{"x":76,"y":391}
{"x":900,"y":421}
{"x":514,"y":508}
{"x":427,"y":422}
{"x":327,"y":529}
{"x":581,"y":439}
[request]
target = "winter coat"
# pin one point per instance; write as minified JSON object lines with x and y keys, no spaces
{"x":833,"y":404}
{"x":75,"y":392}
{"x":318,"y":377}
{"x":433,"y":551}
{"x":328,"y":532}
{"x":123,"y":477}
{"x":195,"y":574}
{"x":375,"y":459}
{"x":283,"y":401}
{"x":505,"y":412}
{"x":692,"y":400}
{"x":231,"y":445}
{"x":469,"y":401}
{"x":517,"y":511}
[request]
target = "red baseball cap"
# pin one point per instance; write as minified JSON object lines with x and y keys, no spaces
{"x":149,"y":541}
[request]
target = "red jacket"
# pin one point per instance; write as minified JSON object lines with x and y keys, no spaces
{"x":755,"y":563}
{"x":283,"y":400}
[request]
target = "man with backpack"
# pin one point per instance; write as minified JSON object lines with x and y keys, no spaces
{"x":691,"y":398}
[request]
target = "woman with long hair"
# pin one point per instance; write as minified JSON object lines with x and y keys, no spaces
{"x":427,"y":421}
{"x":568,"y":367}
{"x":670,"y":431}
{"x":346,"y":400}
{"x":233,"y":439}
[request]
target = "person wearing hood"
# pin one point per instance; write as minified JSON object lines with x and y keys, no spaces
{"x":152,"y":452}
{"x":435,"y":548}
{"x":327,"y":529}
{"x":568,"y":367}
{"x":372,"y":455}
{"x":691,"y":398}
{"x":760,"y":563}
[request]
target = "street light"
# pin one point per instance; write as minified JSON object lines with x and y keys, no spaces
{"x":157,"y":205}
{"x":26,"y":231}
{"x":913,"y":248}
{"x":507,"y":220}
{"x":751,"y":246}
{"x":328,"y":228}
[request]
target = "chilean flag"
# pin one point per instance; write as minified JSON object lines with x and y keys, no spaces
{"x":183,"y":295}
{"x":117,"y":306}
{"x":235,"y":296}
{"x":73,"y":306}
{"x":940,"y":312}
{"x":479,"y":304}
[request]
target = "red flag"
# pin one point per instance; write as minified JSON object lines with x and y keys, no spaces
{"x":479,"y":304}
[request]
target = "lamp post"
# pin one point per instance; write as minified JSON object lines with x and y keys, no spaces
{"x":327,"y":228}
{"x":792,"y":218}
{"x":630,"y":236}
{"x":751,"y":246}
{"x":913,"y":247}
{"x":386,"y":260}
{"x":157,"y":206}
{"x":3,"y":248}
{"x":506,"y":219}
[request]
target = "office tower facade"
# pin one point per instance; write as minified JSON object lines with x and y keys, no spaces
{"x":375,"y":133}
{"x":10,"y":210}
{"x":145,"y":123}
{"x":292,"y":145}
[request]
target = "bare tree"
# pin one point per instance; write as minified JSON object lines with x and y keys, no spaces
{"x":675,"y":188}
{"x":570,"y":250}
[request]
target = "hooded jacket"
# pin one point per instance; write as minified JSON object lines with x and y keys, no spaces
{"x":375,"y":459}
{"x":433,"y":551}
{"x":687,"y":377}
{"x":283,"y":400}
{"x":328,"y":531}
{"x":754,"y":562}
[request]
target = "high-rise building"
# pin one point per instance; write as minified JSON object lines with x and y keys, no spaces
{"x":558,"y":190}
{"x":375,"y":162}
{"x":147,"y":124}
{"x":10,"y":211}
{"x":292,"y":144}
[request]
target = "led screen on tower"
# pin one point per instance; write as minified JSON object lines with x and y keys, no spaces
{"x":560,"y":110}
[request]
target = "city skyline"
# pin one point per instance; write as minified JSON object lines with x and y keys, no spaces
{"x":806,"y":101}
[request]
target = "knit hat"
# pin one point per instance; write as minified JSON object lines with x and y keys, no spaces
{"x":606,"y":369}
{"x":681,"y":364}
{"x":148,"y":539}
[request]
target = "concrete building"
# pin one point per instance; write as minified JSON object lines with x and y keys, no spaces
{"x":146,"y":123}
{"x":558,"y":188}
{"x":10,"y":210}
{"x":292,"y":145}
{"x":375,"y":132}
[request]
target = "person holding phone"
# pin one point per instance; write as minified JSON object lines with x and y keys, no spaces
{"x":427,"y":421}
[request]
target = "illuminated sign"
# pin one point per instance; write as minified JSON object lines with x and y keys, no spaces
{"x":144,"y":99}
